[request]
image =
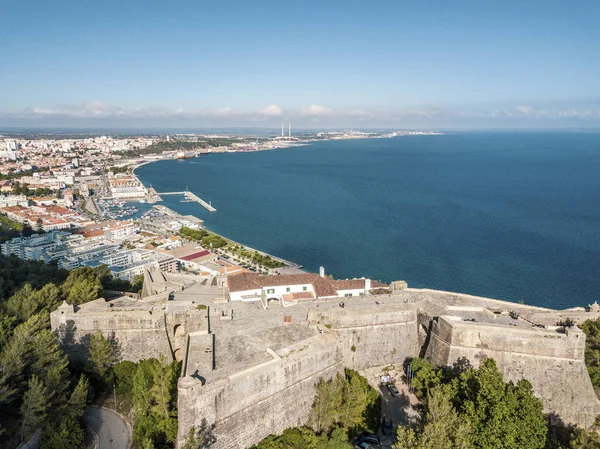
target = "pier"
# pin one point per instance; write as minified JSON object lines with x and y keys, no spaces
{"x":193,"y":197}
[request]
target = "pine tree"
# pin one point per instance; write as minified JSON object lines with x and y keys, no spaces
{"x":68,"y":434}
{"x":33,"y":408}
{"x":354,"y":401}
{"x":78,"y":399}
{"x":81,"y":286}
{"x":102,"y":354}
{"x":328,"y":403}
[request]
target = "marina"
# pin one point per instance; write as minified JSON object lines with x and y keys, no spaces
{"x":116,"y":209}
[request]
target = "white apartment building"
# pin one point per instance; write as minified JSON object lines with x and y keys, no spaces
{"x":120,"y":231}
{"x":34,"y":247}
{"x":13,"y":200}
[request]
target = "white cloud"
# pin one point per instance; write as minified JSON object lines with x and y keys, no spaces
{"x":271,"y":111}
{"x":524,"y":110}
{"x":270,"y":115}
{"x":315,"y":110}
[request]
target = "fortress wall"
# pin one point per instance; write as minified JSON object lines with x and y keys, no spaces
{"x":372,"y":337}
{"x":179,"y":323}
{"x":538,"y":342}
{"x":140,"y":335}
{"x":553,"y":318}
{"x":554,"y":365}
{"x":260,"y":401}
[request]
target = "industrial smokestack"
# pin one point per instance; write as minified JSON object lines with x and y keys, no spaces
{"x":282,"y":130}
{"x":289,"y":130}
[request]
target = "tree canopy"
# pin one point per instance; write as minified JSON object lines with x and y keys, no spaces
{"x":469,"y":408}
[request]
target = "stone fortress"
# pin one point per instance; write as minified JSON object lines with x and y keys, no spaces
{"x":250,"y":367}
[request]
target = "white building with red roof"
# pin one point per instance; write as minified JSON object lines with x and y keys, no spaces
{"x":290,"y":288}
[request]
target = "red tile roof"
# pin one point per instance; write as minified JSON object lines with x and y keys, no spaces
{"x":323,"y":287}
{"x":349,"y":284}
{"x":289,"y":297}
{"x":196,"y":255}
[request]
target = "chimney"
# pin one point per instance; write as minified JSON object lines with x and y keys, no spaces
{"x":368,"y":285}
{"x":322,"y":272}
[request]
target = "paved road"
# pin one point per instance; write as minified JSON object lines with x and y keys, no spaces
{"x":401,"y":410}
{"x":112,"y":431}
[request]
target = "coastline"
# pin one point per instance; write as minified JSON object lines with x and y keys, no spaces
{"x":293,"y":266}
{"x":467,"y":269}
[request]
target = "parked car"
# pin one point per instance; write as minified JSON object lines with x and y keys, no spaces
{"x":388,"y":426}
{"x":369,"y":438}
{"x":363,"y":446}
{"x":393,"y":390}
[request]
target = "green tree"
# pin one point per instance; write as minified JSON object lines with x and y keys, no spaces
{"x":201,"y":437}
{"x":154,"y":402}
{"x":33,"y":408}
{"x":82,"y":285}
{"x":7,"y":324}
{"x":164,"y":392}
{"x":425,"y":376}
{"x":78,"y":399}
{"x":592,"y":350}
{"x":440,"y":428}
{"x":585,"y":439}
{"x":142,"y":384}
{"x":328,"y":403}
{"x":68,"y":434}
{"x":26,"y":301}
{"x":102,"y":355}
{"x":502,"y":415}
{"x":33,"y":351}
{"x":124,"y":373}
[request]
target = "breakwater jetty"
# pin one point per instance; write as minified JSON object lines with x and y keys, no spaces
{"x":192,"y":197}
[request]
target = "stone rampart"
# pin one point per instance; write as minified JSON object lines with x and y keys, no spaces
{"x":371,"y":336}
{"x":252,"y":404}
{"x":552,"y":361}
{"x":140,"y":333}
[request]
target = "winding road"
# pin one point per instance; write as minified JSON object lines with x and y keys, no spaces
{"x":111,"y":430}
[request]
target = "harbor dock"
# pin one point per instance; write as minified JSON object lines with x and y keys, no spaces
{"x":192,"y":197}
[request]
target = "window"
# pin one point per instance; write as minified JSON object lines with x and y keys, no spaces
{"x":348,"y":295}
{"x":270,"y":291}
{"x":304,"y":288}
{"x":361,"y":294}
{"x":287,"y":289}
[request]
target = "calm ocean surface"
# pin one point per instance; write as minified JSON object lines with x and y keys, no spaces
{"x":512,"y":216}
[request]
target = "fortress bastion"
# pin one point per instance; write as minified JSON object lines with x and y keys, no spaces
{"x":250,"y":367}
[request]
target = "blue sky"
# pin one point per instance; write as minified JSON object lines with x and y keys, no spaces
{"x":321,"y":63}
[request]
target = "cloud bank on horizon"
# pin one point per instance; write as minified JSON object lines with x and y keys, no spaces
{"x":99,"y":113}
{"x":339,"y":63}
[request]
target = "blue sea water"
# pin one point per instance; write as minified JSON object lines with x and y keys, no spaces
{"x":508,"y":215}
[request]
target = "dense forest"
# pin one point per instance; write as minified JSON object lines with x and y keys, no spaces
{"x":40,"y":388}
